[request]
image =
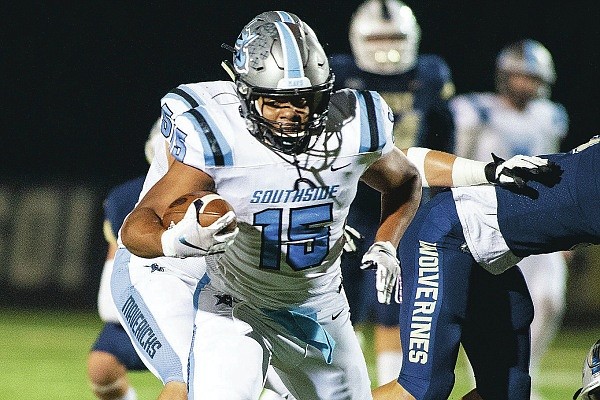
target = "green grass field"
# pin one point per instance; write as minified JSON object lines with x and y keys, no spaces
{"x":43,"y":355}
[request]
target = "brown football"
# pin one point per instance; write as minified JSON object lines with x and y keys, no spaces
{"x":211,"y":207}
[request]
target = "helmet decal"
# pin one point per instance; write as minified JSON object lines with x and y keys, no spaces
{"x":241,"y":57}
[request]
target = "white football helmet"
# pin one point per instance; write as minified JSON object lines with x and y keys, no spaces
{"x":384,"y":37}
{"x":590,"y":389}
{"x":278,"y":56}
{"x":528,"y":57}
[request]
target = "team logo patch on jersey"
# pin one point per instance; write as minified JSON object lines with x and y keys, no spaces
{"x":154,"y":267}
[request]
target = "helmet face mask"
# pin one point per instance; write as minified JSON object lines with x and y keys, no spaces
{"x":526,"y":58}
{"x":278,"y":60}
{"x":385,"y":37}
{"x":521,"y":88}
{"x":293,"y":135}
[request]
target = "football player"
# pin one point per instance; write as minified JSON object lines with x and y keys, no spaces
{"x":458,"y":285}
{"x":521,"y":119}
{"x":113,"y":354}
{"x":287,"y":154}
{"x":384,"y":38}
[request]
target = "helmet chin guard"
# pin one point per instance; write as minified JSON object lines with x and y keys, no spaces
{"x":277,"y":56}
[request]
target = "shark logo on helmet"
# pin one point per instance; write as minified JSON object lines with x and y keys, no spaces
{"x":241,"y":59}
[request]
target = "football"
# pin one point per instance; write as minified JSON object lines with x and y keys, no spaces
{"x":211,"y":207}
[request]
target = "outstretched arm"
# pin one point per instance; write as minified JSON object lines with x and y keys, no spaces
{"x":440,"y":169}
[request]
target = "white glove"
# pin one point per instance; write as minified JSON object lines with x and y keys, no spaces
{"x":382,"y":255}
{"x":188,"y":239}
{"x":516,"y":171}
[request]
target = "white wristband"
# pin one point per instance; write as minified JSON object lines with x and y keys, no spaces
{"x":416,"y":155}
{"x":467,"y":172}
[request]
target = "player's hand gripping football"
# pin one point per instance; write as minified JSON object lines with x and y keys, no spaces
{"x":382,"y":255}
{"x":188,"y":238}
{"x":518,"y":170}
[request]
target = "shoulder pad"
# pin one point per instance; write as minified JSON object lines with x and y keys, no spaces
{"x":342,"y":107}
{"x":203,"y":136}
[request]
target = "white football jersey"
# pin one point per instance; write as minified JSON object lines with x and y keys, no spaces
{"x":486,"y":123}
{"x":290,"y":210}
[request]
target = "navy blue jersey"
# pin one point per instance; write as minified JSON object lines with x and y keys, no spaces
{"x":448,"y":299}
{"x":562,"y":216}
{"x":120,"y":201}
{"x":418,"y":98}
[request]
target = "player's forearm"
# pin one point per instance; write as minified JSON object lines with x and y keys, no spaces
{"x":141,"y":233}
{"x":440,"y":169}
{"x":398,"y":207}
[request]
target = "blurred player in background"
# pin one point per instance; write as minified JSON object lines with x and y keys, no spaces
{"x":384,"y":37}
{"x":113,"y":354}
{"x":521,"y":119}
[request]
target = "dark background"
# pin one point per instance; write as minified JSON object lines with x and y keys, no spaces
{"x":82,"y":81}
